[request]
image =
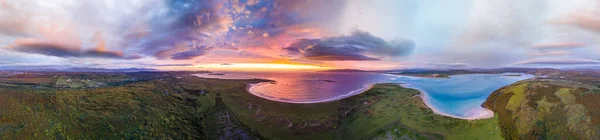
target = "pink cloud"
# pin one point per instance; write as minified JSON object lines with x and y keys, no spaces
{"x":552,"y":53}
{"x":584,"y":19}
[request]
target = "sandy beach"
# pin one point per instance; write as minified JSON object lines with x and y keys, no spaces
{"x":252,"y":89}
{"x":478,"y":113}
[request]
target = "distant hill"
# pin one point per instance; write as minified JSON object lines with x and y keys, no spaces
{"x":107,"y":70}
{"x":470,"y":71}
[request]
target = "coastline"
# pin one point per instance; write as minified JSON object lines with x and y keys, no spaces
{"x":426,"y":76}
{"x":479,"y":113}
{"x":249,"y":89}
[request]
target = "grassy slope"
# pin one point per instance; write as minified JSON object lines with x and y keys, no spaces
{"x":547,"y":109}
{"x":133,"y":111}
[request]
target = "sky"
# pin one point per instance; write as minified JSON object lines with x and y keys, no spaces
{"x":299,"y":34}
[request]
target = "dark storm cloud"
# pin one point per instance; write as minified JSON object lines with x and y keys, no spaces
{"x":359,"y":46}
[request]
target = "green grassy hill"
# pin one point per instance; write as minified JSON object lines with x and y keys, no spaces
{"x":548,"y":109}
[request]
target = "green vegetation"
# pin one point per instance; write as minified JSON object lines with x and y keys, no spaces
{"x":134,"y":111}
{"x":517,"y":98}
{"x":547,"y":109}
{"x":398,"y":112}
{"x":70,"y":83}
{"x":179,"y":106}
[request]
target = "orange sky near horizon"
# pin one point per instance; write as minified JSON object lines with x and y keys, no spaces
{"x":252,"y":67}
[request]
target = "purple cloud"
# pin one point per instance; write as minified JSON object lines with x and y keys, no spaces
{"x":52,"y":49}
{"x":192,"y":53}
{"x":359,"y":46}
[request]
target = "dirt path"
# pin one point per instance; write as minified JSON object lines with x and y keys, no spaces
{"x":222,"y":124}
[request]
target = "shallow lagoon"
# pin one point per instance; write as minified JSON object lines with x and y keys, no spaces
{"x":459,"y":96}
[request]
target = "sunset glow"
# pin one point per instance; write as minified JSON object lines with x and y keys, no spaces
{"x":260,"y":67}
{"x":305,"y":34}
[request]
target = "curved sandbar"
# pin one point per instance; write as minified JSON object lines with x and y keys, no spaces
{"x":252,"y":88}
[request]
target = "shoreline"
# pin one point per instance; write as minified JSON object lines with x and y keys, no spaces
{"x":425,"y":76}
{"x":482,"y":114}
{"x":340,"y":97}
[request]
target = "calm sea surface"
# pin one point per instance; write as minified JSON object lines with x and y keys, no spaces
{"x":459,"y":96}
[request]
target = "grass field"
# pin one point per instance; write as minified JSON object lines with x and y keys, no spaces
{"x":547,"y":109}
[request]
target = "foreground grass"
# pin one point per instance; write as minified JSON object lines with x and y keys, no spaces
{"x":135,"y":111}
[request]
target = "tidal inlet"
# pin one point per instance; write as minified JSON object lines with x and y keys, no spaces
{"x":299,"y":69}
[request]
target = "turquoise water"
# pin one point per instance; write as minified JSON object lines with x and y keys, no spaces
{"x":459,"y":96}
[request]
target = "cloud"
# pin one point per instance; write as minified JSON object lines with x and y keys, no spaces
{"x":192,"y":53}
{"x":138,"y":27}
{"x":558,"y":61}
{"x":167,"y":65}
{"x":13,"y":22}
{"x":359,"y":46}
{"x":555,"y":49}
{"x":51,"y":48}
{"x":448,"y":65}
{"x":164,"y":29}
{"x":198,"y":22}
{"x":229,"y":25}
{"x":493,"y":30}
{"x":558,"y":46}
{"x":226,"y":64}
{"x":552,"y":53}
{"x":584,"y":20}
